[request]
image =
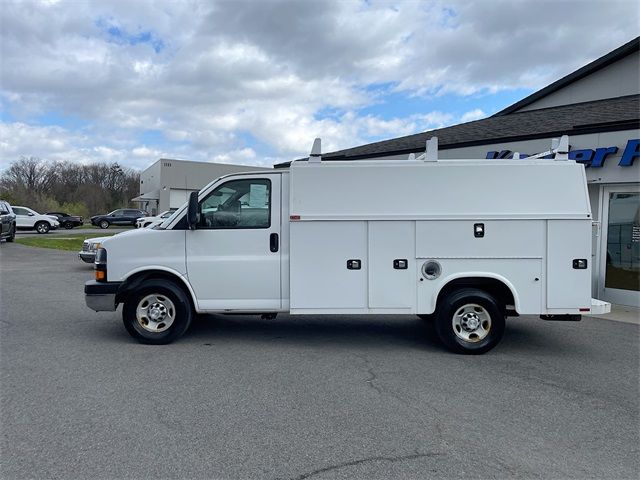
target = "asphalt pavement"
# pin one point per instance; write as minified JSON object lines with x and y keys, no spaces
{"x":301,"y":397}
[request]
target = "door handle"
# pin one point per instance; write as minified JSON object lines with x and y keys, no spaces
{"x":274,"y":242}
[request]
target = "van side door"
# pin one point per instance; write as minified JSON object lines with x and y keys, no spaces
{"x":233,"y":256}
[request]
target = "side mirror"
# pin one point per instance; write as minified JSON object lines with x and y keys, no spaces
{"x":4,"y":212}
{"x":30,"y":214}
{"x":192,"y":211}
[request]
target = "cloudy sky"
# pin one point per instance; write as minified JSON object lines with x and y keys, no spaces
{"x":254,"y":82}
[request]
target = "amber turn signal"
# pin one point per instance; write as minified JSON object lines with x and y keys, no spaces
{"x":101,"y":275}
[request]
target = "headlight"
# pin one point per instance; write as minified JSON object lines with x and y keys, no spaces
{"x":96,"y":246}
{"x":100,"y":265}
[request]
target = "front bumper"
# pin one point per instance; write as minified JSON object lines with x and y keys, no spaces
{"x":101,"y":296}
{"x":88,"y":257}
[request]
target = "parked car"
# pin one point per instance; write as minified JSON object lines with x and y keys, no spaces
{"x":7,"y":221}
{"x":66,"y":220}
{"x":144,"y":222}
{"x":89,"y":248}
{"x":122,"y":216}
{"x":28,"y":219}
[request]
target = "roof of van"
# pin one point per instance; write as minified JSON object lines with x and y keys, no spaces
{"x":444,"y":189}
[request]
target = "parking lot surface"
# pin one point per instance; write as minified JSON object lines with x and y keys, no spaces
{"x":295,"y":398}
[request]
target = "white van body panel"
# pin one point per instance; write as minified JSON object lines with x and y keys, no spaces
{"x":566,"y":286}
{"x":446,"y":189}
{"x":144,"y":249}
{"x":380,"y":212}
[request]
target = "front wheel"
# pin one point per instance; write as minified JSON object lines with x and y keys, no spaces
{"x":104,"y":224}
{"x":42,"y":227}
{"x":158,"y":313}
{"x":68,"y":225}
{"x":470,"y":321}
{"x":12,"y":234}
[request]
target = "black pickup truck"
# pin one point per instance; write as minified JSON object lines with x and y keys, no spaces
{"x":67,"y":221}
{"x":122,"y":216}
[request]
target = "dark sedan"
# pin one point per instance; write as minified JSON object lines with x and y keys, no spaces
{"x":67,"y":221}
{"x":122,"y":216}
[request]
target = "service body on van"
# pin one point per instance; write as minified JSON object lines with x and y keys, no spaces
{"x":463,"y":242}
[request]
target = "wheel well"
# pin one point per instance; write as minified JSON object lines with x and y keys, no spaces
{"x":494,"y":287}
{"x":137,"y":279}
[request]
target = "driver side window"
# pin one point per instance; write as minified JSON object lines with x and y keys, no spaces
{"x":237,"y":204}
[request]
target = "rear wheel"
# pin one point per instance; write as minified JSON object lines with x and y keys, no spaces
{"x":104,"y":224}
{"x":470,"y":321}
{"x":42,"y":227}
{"x":158,"y":313}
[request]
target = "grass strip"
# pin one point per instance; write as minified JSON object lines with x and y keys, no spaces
{"x":70,"y":242}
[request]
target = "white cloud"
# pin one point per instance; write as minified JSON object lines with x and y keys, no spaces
{"x":211,"y":74}
{"x":471,"y":115}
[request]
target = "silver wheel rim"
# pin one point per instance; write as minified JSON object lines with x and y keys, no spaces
{"x":42,"y":228}
{"x":155,"y":313}
{"x":104,"y":224}
{"x":471,"y":323}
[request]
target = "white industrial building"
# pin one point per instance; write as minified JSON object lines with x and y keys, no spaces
{"x":598,"y":106}
{"x":167,"y":183}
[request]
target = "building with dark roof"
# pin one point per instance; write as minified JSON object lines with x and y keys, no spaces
{"x":598,"y":106}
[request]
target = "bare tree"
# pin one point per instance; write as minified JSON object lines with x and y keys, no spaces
{"x":94,"y":188}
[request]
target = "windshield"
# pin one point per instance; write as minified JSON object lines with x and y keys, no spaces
{"x":166,"y":218}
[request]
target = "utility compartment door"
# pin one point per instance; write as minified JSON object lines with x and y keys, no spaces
{"x":392,"y":264}
{"x":320,"y":275}
{"x":568,"y":240}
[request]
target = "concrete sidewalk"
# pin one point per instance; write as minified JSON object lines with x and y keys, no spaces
{"x":621,"y":313}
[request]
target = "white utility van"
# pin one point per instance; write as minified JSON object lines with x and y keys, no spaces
{"x":464,"y":242}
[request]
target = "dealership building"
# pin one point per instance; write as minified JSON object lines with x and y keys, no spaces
{"x":598,"y":106}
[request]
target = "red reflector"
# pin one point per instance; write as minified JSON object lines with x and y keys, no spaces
{"x":294,"y":217}
{"x":585,"y":309}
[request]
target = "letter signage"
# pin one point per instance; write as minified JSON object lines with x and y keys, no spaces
{"x":593,"y":158}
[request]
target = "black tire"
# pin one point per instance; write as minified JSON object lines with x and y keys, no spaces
{"x":163,"y":290}
{"x":473,"y":302}
{"x":68,"y":225}
{"x":42,"y":227}
{"x":12,"y":234}
{"x":103,"y":224}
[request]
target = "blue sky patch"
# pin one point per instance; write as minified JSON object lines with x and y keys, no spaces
{"x":120,"y":36}
{"x":400,"y":104}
